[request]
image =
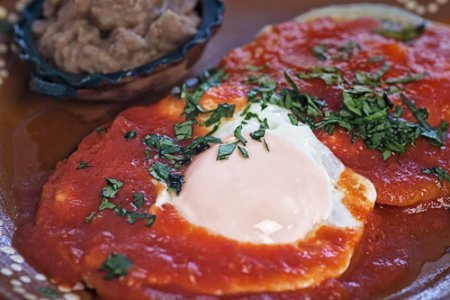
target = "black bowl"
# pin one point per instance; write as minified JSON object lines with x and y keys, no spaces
{"x":155,"y":76}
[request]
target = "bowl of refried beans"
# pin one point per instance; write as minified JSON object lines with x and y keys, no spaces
{"x":113,"y":50}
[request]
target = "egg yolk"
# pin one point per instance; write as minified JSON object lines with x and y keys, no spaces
{"x":275,"y":196}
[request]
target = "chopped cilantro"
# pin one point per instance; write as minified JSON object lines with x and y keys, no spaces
{"x":138,"y":200}
{"x":440,"y":173}
{"x":342,"y":52}
{"x":168,"y":175}
{"x":345,"y":51}
{"x":184,"y":130}
{"x":150,"y":220}
{"x":406,"y":79}
{"x":222,"y":111}
{"x":243,"y":152}
{"x":238,"y":135}
{"x":111,"y":188}
{"x":331,"y":75}
{"x":48,"y":292}
{"x":225,"y":150}
{"x":366,"y":115}
{"x":199,"y":145}
{"x":320,"y":52}
{"x":116,"y":265}
{"x":255,"y":68}
{"x":435,"y":136}
{"x":258,"y":134}
{"x":371,"y":79}
{"x":90,"y":217}
{"x":401,"y":32}
{"x":83,"y":165}
{"x":130,"y":135}
{"x":105,"y":204}
{"x":160,"y":171}
{"x":376,"y":58}
{"x":192,"y":93}
{"x":293,"y":119}
{"x":163,"y":145}
{"x":266,"y":145}
{"x":132,"y":217}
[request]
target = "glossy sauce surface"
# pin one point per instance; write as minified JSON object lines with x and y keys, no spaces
{"x":399,"y":181}
{"x":386,"y":249}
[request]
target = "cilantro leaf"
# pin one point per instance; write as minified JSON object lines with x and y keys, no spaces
{"x":225,"y":150}
{"x":193,"y":93}
{"x":150,"y":220}
{"x":243,"y":152}
{"x":238,"y":135}
{"x":401,"y":32}
{"x":436,"y":136}
{"x":440,"y":173}
{"x":111,"y":188}
{"x":331,"y":75}
{"x":116,"y":265}
{"x":222,"y":111}
{"x":184,"y":130}
{"x":105,"y":204}
{"x":138,"y":200}
{"x":406,"y":79}
{"x":166,"y":174}
{"x":90,"y":217}
{"x":320,"y":52}
{"x":83,"y":165}
{"x":130,"y":135}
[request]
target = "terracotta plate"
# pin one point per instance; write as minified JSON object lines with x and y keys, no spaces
{"x":36,"y":132}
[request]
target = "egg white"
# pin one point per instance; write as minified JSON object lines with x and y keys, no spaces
{"x":304,"y":140}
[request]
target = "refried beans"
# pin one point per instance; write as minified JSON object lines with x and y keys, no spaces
{"x":105,"y":36}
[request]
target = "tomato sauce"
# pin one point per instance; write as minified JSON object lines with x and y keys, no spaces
{"x":173,"y":258}
{"x":287,"y":47}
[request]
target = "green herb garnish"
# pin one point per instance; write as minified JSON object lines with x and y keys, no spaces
{"x":376,"y":58}
{"x":115,"y":266}
{"x":435,"y":136}
{"x":243,"y":152}
{"x":440,"y":173}
{"x":111,"y":188}
{"x":105,"y":204}
{"x":150,"y":220}
{"x":320,"y":52}
{"x":48,"y":292}
{"x":83,"y":165}
{"x":238,"y":135}
{"x":138,"y":200}
{"x":401,"y":32}
{"x":346,"y":50}
{"x":366,"y":79}
{"x":225,"y":150}
{"x":90,"y":217}
{"x":168,"y":175}
{"x":222,"y":111}
{"x":331,"y":75}
{"x":406,"y":79}
{"x":130,"y":135}
{"x":266,"y":145}
{"x":193,"y":93}
{"x":184,"y":130}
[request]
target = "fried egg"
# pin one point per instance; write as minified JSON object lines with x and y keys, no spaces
{"x":286,"y":189}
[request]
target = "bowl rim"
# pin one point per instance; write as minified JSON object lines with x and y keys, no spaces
{"x":211,"y":16}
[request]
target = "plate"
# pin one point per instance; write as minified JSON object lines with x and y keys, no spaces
{"x":37,"y":132}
